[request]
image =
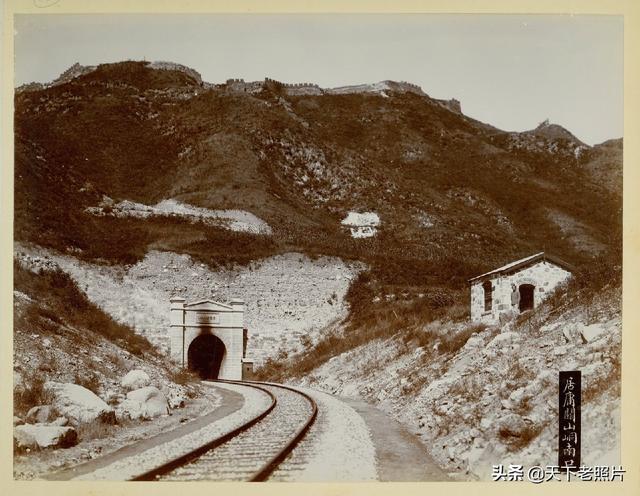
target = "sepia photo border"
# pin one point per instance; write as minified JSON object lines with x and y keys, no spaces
{"x":630,"y":404}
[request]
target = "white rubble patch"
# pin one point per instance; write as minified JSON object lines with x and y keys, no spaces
{"x":345,"y":450}
{"x":234,"y":220}
{"x":362,"y":225}
{"x":425,"y":220}
{"x":290,"y":298}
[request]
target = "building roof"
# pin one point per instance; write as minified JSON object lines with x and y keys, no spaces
{"x":524,"y":262}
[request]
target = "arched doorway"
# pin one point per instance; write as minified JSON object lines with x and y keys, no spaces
{"x":526,"y":296}
{"x":205,"y":356}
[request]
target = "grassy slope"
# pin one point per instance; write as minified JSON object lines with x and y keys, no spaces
{"x":60,"y":335}
{"x":300,"y":163}
{"x":480,"y":397}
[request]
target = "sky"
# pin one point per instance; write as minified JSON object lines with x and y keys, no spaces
{"x":512,"y":72}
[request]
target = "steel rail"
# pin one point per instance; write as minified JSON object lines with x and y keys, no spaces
{"x":200,"y":450}
{"x":265,"y":470}
{"x":271,"y":465}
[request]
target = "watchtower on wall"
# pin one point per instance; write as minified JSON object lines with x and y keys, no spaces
{"x":209,"y":338}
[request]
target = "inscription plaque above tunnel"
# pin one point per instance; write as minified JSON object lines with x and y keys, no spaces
{"x":209,"y":338}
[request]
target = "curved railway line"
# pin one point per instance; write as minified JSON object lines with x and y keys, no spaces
{"x":252,"y":451}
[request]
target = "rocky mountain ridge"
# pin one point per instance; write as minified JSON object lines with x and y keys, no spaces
{"x":124,"y":172}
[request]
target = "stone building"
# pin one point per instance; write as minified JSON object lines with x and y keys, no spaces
{"x":516,"y":287}
{"x":362,"y":225}
{"x":210,"y":339}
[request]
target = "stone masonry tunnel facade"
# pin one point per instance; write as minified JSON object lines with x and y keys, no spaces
{"x":208,"y":337}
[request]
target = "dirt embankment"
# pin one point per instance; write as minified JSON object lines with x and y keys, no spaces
{"x":495,"y":399}
{"x":59,"y":336}
{"x":290,"y":298}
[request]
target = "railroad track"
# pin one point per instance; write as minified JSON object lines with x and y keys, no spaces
{"x":252,"y":451}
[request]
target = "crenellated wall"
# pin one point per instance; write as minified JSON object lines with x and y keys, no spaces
{"x":172,"y":66}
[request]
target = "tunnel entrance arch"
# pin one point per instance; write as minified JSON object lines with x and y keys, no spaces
{"x":223,"y":359}
{"x":205,"y":356}
{"x":526,"y":296}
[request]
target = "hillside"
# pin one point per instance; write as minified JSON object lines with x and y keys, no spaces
{"x":349,"y":219}
{"x":479,"y":395}
{"x":59,"y":335}
{"x":455,"y":196}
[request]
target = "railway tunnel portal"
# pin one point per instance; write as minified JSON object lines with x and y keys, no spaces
{"x":209,"y":338}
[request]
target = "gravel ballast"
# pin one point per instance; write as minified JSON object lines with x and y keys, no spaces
{"x":130,"y":467}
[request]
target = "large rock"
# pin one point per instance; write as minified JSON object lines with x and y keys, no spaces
{"x":510,"y":426}
{"x":147,"y":402}
{"x":592,"y":332}
{"x":504,"y":339}
{"x":135,"y":379}
{"x":79,"y":404}
{"x":61,"y":421}
{"x":175,"y":396}
{"x":44,"y":436}
{"x":41,"y":414}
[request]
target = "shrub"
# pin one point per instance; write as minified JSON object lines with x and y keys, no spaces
{"x":65,"y":302}
{"x":89,"y":381}
{"x":518,"y":440}
{"x":451,"y":343}
{"x":31,"y":393}
{"x":183,"y":376}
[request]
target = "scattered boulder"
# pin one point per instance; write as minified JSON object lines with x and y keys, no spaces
{"x":17,"y":421}
{"x":510,"y":426}
{"x":129,"y":409}
{"x":147,"y":402}
{"x":79,"y":404}
{"x":44,"y":436}
{"x":175,"y":396}
{"x":504,"y":339}
{"x":61,"y":421}
{"x":135,"y":379}
{"x":41,"y":414}
{"x":592,"y":332}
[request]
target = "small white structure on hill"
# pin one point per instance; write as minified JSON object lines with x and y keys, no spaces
{"x":516,"y":287}
{"x":362,"y":225}
{"x":209,"y":338}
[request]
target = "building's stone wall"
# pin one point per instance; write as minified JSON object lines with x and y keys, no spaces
{"x":544,"y":275}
